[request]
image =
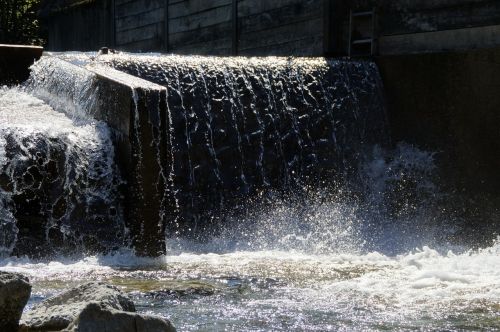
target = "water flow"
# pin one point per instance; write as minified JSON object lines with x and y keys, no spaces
{"x":58,"y":178}
{"x":313,"y":262}
{"x":239,"y":126}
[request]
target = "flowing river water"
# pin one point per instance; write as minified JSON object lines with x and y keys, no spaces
{"x":263,"y":290}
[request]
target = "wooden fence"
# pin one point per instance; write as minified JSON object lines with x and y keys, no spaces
{"x":277,"y":27}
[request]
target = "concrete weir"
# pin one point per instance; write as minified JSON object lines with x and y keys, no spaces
{"x":228,"y":130}
{"x":135,"y":110}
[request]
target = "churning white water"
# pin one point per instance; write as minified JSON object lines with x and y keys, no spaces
{"x":421,"y":289}
{"x":64,"y":163}
{"x":314,"y":263}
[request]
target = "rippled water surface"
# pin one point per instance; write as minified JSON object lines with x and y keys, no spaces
{"x":286,"y":290}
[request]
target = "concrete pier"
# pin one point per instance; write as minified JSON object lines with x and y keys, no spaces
{"x":135,"y":110}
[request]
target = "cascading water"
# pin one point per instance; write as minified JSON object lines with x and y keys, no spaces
{"x":239,"y":126}
{"x":325,"y":227}
{"x":59,"y":183}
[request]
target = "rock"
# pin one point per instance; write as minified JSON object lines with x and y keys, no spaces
{"x":15,"y":292}
{"x":57,"y":312}
{"x":96,"y":318}
{"x":180,"y":288}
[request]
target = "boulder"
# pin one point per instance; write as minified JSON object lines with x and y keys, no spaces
{"x":15,"y":292}
{"x":95,"y":317}
{"x":57,"y":312}
{"x":180,"y":288}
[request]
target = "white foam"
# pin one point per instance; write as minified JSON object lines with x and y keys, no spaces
{"x":29,"y":126}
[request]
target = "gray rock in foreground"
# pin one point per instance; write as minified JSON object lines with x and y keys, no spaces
{"x":57,"y":312}
{"x":96,"y":318}
{"x":15,"y":292}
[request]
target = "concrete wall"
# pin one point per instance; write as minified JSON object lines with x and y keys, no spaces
{"x":140,"y":25}
{"x":441,"y":25}
{"x":220,"y":27}
{"x":216,"y":27}
{"x":443,"y":101}
{"x":449,"y":103}
{"x":135,"y":110}
{"x":81,"y":28}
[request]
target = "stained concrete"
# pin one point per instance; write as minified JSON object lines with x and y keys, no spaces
{"x":449,"y":103}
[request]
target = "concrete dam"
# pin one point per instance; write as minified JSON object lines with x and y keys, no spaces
{"x":291,"y":165}
{"x":162,"y":146}
{"x":218,"y":191}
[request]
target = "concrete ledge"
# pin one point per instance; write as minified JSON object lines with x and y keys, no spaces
{"x":136,"y":111}
{"x":15,"y":61}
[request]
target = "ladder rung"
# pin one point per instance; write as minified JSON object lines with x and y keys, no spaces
{"x":361,"y":14}
{"x":362,"y":41}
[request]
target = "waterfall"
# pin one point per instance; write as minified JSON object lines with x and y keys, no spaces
{"x":193,"y":137}
{"x":238,"y":126}
{"x":59,"y":182}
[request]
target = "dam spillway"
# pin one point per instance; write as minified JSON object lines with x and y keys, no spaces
{"x":238,"y":126}
{"x":270,"y":184}
{"x":194,"y":137}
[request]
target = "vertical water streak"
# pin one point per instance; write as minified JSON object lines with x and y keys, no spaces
{"x":258,"y":124}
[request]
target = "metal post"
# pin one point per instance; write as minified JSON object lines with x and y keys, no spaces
{"x":327,"y":28}
{"x":349,"y":49}
{"x":234,"y":25}
{"x":165,"y":28}
{"x":374,"y":32}
{"x":112,"y":28}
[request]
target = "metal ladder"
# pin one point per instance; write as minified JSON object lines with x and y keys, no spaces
{"x":364,"y":45}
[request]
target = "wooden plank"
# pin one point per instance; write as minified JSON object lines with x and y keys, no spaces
{"x":334,"y":13}
{"x":281,"y":34}
{"x":280,"y":16}
{"x":186,"y":8}
{"x":213,"y":47}
{"x":439,"y":41}
{"x":86,"y":28}
{"x":445,"y":18}
{"x":147,"y":45}
{"x":201,"y":35}
{"x":251,"y":7}
{"x":138,"y":20}
{"x":112,"y":23}
{"x":121,"y":2}
{"x":415,"y":5}
{"x":200,"y":20}
{"x":329,"y":28}
{"x":142,"y":33}
{"x":137,"y":7}
{"x":309,"y":46}
{"x":407,"y":6}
